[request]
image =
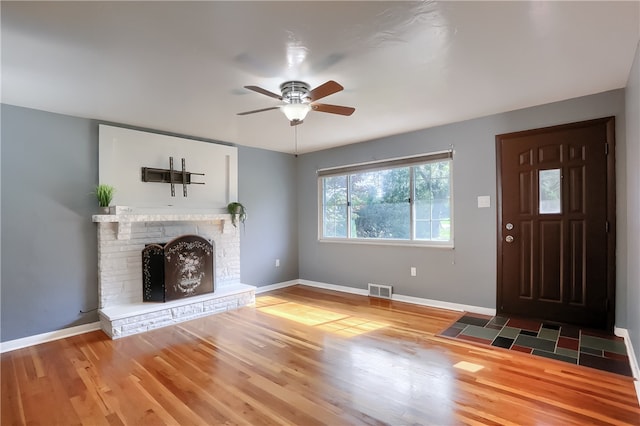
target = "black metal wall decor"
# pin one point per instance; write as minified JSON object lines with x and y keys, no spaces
{"x":171,"y":176}
{"x":180,"y":268}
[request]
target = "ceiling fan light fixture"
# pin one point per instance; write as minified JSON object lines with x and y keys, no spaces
{"x":296,"y":112}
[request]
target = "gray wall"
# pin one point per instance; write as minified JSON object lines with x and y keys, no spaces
{"x":633,"y":202}
{"x":49,"y":260}
{"x":267,"y":188}
{"x":466,"y":274}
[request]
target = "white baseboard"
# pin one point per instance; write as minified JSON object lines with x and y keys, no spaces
{"x":342,"y":288}
{"x":633,"y":361}
{"x":444,"y":305}
{"x":275,"y":286}
{"x":401,"y":298}
{"x":12,"y":345}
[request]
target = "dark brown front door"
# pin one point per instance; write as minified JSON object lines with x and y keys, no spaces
{"x":556,"y":223}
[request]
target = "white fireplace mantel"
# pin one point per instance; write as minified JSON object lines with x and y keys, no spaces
{"x":124,"y":221}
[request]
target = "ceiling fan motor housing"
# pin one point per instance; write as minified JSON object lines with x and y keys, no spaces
{"x":294,"y":92}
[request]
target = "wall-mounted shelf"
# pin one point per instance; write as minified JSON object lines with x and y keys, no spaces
{"x":124,"y":221}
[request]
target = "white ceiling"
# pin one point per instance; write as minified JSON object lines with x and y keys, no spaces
{"x":181,"y":67}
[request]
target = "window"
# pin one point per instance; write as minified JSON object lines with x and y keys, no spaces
{"x":405,"y":200}
{"x":549,"y":192}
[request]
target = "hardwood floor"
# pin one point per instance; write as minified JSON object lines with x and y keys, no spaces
{"x":303,"y":356}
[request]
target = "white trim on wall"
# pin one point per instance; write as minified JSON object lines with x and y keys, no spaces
{"x":402,"y":298}
{"x":12,"y":345}
{"x":335,"y":287}
{"x":398,"y":297}
{"x":275,"y":286}
{"x":444,"y":305}
{"x":633,"y":361}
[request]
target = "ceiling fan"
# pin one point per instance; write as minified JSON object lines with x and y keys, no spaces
{"x":299,"y":99}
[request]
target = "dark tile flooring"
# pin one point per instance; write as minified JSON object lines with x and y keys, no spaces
{"x":561,"y":342}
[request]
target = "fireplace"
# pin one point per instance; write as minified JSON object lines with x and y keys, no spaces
{"x":181,"y":268}
{"x":121,"y":240}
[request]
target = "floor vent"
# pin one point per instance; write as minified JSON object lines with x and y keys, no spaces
{"x":377,"y":290}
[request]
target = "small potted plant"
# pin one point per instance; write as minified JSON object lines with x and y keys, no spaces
{"x":104,"y":194}
{"x":238,"y":213}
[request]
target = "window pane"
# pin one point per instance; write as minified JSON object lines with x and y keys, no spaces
{"x":380,"y":204}
{"x":334,"y":211}
{"x":433,"y":201}
{"x":549,"y":182}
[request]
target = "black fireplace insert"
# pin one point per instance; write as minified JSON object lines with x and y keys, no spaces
{"x":181,"y":268}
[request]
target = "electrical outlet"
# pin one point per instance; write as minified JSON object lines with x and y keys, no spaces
{"x":414,"y":272}
{"x":277,"y":263}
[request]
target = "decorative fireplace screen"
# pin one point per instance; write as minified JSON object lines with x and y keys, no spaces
{"x":181,"y":268}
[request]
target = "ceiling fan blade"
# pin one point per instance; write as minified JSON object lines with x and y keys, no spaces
{"x":263,"y":91}
{"x":295,"y":122}
{"x":257,"y":110}
{"x":326,"y":89}
{"x":333,"y":109}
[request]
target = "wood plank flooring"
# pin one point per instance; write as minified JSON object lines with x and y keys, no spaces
{"x":303,"y":356}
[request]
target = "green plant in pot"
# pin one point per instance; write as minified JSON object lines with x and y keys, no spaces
{"x":238,"y":213}
{"x":104,"y":194}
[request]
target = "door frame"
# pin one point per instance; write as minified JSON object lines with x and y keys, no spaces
{"x":611,"y":207}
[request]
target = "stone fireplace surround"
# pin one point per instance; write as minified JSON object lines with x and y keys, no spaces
{"x":121,"y":238}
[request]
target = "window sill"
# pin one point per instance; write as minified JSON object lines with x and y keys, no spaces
{"x":396,"y":243}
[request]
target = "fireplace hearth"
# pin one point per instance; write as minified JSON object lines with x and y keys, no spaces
{"x":181,"y":268}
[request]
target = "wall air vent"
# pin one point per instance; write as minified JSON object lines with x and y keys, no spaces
{"x":383,"y":291}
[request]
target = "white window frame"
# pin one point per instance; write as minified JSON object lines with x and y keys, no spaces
{"x":410,"y":161}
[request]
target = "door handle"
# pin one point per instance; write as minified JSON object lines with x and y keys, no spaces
{"x":509,"y":239}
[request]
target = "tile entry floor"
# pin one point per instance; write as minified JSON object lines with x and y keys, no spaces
{"x":560,"y":342}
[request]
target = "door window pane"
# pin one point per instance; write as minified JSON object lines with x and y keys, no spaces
{"x":550,"y":192}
